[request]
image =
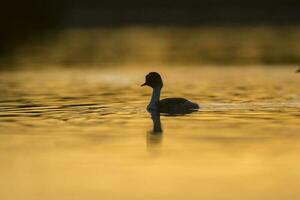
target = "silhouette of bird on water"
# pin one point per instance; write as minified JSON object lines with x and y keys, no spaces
{"x":168,"y":105}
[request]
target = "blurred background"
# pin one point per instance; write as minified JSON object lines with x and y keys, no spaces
{"x":91,"y":33}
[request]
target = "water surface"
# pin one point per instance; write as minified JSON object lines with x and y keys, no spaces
{"x":85,"y":134}
{"x":161,"y":45}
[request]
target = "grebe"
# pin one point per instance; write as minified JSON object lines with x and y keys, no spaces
{"x":168,"y":105}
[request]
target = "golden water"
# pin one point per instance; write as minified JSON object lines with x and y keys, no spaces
{"x":162,"y":45}
{"x":85,"y":134}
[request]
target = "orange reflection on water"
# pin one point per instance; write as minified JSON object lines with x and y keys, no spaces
{"x":73,"y":134}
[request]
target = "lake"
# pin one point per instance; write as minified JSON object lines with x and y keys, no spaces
{"x":160,"y":45}
{"x":74,"y":134}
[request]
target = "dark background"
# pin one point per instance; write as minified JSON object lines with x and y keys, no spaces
{"x":184,"y":12}
{"x":22,"y":20}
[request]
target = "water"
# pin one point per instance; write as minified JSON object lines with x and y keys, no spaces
{"x":161,"y":45}
{"x":85,"y":134}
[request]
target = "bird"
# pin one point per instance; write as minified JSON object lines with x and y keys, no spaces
{"x":168,"y":105}
{"x":298,"y":71}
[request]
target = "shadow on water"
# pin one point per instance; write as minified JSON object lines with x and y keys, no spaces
{"x":155,"y":136}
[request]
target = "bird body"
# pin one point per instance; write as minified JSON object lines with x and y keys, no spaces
{"x":176,"y":105}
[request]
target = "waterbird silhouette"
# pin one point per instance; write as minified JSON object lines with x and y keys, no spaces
{"x":168,"y":105}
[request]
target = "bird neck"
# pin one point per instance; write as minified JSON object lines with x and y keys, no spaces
{"x":154,"y":99}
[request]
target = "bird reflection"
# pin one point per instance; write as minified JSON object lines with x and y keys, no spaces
{"x":155,"y":116}
{"x":154,"y":136}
